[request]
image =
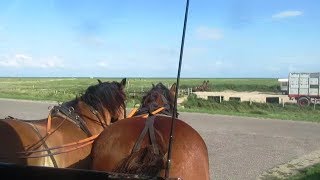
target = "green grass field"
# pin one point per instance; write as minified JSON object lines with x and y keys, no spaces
{"x":65,"y":89}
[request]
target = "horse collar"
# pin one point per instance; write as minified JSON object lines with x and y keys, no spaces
{"x":71,"y":116}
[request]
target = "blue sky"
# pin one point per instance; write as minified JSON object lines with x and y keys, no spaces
{"x":125,"y":38}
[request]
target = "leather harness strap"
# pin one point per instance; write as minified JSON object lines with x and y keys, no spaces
{"x":149,"y":124}
{"x":72,"y":117}
{"x":148,"y":127}
{"x":98,"y":115}
{"x":44,"y":144}
{"x":133,"y":111}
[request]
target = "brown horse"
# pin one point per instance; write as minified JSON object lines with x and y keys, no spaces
{"x":125,"y":147}
{"x":62,"y":139}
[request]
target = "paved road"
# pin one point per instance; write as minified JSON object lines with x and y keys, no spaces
{"x":239,"y":147}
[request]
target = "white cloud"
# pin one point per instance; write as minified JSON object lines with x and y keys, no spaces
{"x":207,"y":33}
{"x":23,"y":61}
{"x":23,"y":57}
{"x":286,"y":14}
{"x":102,"y":64}
{"x":52,"y":62}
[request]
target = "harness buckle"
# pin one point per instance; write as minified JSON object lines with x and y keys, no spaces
{"x":71,"y":109}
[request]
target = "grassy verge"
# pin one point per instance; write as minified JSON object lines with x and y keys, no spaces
{"x":263,"y":110}
{"x":310,"y":173}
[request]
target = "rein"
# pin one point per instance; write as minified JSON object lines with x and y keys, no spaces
{"x":134,"y":110}
{"x":144,"y":111}
{"x":149,"y":127}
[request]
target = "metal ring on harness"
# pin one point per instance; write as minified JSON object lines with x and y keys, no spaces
{"x":71,"y":109}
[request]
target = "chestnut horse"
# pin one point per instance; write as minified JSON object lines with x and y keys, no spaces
{"x":58,"y":141}
{"x":127,"y":147}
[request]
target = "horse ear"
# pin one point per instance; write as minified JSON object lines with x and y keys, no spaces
{"x":173,"y":90}
{"x":123,"y":83}
{"x":100,"y":82}
{"x":153,"y":85}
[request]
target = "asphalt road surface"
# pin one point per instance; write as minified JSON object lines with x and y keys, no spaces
{"x":239,"y":147}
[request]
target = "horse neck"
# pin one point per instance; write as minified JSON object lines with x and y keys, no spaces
{"x":92,"y":120}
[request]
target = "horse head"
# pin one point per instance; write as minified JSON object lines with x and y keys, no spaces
{"x":159,"y":96}
{"x":101,"y":104}
{"x":108,"y":98}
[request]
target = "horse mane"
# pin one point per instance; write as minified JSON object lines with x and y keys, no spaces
{"x":162,"y":89}
{"x":106,"y":94}
{"x":143,"y":162}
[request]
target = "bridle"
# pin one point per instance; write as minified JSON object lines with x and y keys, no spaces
{"x":149,"y":112}
{"x":153,"y":108}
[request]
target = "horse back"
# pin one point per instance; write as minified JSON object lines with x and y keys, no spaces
{"x":18,"y":136}
{"x":15,"y":136}
{"x":189,"y":159}
{"x":189,"y":151}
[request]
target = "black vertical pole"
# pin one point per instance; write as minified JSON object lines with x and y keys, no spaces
{"x":167,"y":172}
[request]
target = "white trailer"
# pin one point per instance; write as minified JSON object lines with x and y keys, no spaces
{"x":304,"y":87}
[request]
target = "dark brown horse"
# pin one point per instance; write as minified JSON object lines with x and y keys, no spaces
{"x":139,"y":145}
{"x":62,"y":140}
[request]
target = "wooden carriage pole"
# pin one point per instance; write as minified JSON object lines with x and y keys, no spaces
{"x":167,"y":172}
